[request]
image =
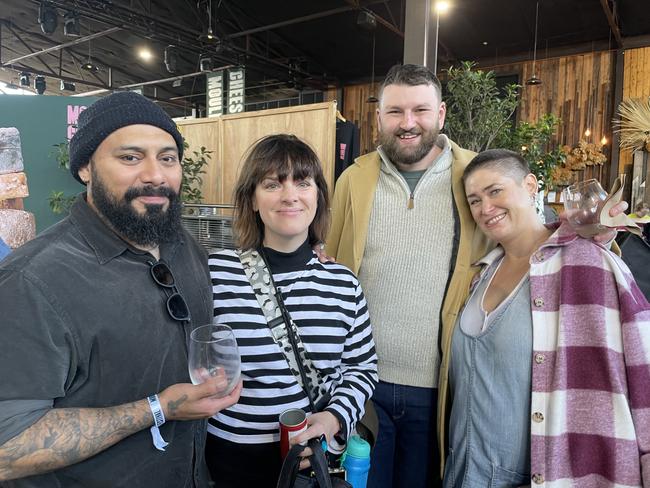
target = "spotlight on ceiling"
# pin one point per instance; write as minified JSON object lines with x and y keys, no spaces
{"x":205,"y":63}
{"x":47,"y":18}
{"x":367,"y":21}
{"x":145,"y":54}
{"x":71,"y":26}
{"x":68,"y":86}
{"x":24,"y":79}
{"x":90,"y":66}
{"x":171,"y":58}
{"x":40,"y":85}
{"x":208,"y":37}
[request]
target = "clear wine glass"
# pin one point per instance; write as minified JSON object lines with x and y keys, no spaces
{"x":214,"y":352}
{"x":583,"y":202}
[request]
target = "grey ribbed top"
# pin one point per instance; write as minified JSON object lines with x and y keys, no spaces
{"x":405,"y":269}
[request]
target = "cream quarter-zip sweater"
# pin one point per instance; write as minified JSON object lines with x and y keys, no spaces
{"x":405,"y":268}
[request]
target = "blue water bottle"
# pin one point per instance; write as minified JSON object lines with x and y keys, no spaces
{"x":357,"y":461}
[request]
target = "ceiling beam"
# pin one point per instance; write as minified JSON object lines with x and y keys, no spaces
{"x":611,"y":20}
{"x":77,"y":41}
{"x":10,"y":26}
{"x":296,"y":20}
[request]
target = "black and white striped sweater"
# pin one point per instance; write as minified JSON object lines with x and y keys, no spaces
{"x":327,"y":304}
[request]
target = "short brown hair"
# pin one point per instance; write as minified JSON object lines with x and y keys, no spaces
{"x":284,"y":155}
{"x":410,"y":75}
{"x":507,"y":162}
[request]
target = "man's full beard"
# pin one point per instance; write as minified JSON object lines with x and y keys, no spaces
{"x":153,"y":227}
{"x":401,"y":156}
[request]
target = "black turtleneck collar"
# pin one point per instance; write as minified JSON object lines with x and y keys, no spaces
{"x":285,"y":262}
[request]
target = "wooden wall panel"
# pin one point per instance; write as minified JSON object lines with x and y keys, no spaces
{"x":636,"y":84}
{"x":315,"y":124}
{"x":231,"y":135}
{"x":206,"y":132}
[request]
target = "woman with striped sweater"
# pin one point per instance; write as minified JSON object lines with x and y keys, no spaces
{"x":282,"y":211}
{"x":550,"y":359}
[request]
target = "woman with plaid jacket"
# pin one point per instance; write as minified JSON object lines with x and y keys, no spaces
{"x":550,"y":358}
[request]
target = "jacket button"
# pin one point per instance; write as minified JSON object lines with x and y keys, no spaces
{"x":539,"y":358}
{"x":539,"y":256}
{"x":538,"y":417}
{"x":539,"y":302}
{"x":538,"y":479}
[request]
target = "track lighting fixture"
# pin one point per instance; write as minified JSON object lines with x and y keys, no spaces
{"x":171,"y":58}
{"x":40,"y":85}
{"x":68,"y":86}
{"x":24,"y":79}
{"x":205,"y":63}
{"x":47,"y":18}
{"x":71,"y":26}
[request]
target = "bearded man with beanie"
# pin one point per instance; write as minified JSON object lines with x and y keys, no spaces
{"x":96,"y":315}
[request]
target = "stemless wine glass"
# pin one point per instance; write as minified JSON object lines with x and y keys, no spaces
{"x":214,"y":352}
{"x":583,"y":202}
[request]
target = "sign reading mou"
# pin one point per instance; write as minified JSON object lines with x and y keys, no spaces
{"x":214,"y":93}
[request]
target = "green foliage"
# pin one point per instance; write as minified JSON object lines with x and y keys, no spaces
{"x":193,"y":168}
{"x":533,"y":142}
{"x":62,"y":154}
{"x":60,"y":202}
{"x":476,"y":113}
{"x":478,"y":118}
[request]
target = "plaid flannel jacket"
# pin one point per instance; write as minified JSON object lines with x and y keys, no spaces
{"x":590,"y":409}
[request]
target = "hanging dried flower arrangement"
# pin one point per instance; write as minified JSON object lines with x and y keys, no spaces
{"x":634,"y":124}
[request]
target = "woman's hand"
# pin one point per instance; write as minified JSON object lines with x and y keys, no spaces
{"x":318,"y":424}
{"x":319,"y":249}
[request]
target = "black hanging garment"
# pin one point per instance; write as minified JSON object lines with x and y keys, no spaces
{"x":347,"y":146}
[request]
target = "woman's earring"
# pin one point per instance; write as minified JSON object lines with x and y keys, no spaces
{"x":532,"y":200}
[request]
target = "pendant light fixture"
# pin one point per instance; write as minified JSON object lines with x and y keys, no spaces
{"x":208,"y":37}
{"x":372,"y":98}
{"x":89,"y":65}
{"x":534,"y":80}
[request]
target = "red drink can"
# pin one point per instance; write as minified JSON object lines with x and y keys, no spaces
{"x":292,"y":423}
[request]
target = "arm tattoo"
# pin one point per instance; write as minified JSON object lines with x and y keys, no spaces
{"x":65,"y":436}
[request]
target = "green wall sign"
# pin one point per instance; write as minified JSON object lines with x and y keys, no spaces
{"x":43,"y":121}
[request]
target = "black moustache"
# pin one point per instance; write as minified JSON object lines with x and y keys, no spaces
{"x":149,"y":191}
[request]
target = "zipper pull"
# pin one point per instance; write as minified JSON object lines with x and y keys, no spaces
{"x":411,"y":203}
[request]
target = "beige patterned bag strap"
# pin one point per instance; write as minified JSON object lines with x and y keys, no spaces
{"x":270,"y":301}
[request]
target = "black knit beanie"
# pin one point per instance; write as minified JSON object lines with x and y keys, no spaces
{"x":107,"y":115}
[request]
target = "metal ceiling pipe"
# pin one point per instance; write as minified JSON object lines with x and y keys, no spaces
{"x":420,"y":28}
{"x":58,"y":47}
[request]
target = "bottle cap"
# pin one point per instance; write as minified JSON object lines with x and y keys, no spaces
{"x":357,"y":447}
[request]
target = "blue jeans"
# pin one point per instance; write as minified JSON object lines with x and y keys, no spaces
{"x":406,"y":452}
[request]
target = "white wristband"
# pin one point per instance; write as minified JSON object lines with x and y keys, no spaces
{"x":159,"y":419}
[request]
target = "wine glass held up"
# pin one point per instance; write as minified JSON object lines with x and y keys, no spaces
{"x":583,"y":202}
{"x":214,"y":353}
